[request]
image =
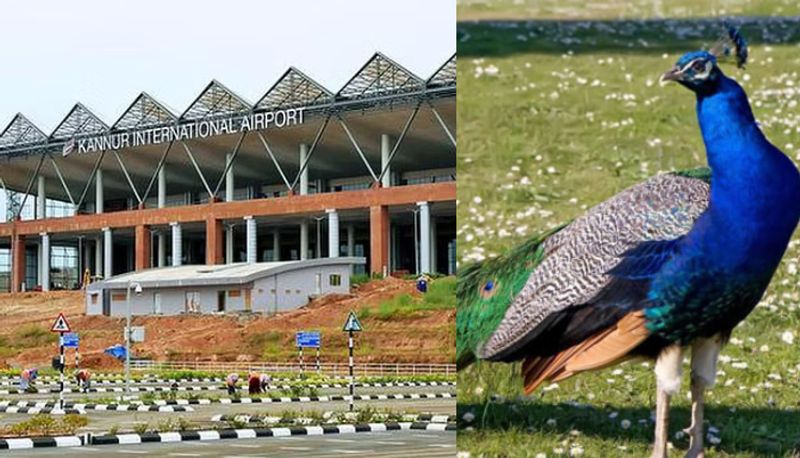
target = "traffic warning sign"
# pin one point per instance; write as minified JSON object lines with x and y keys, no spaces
{"x":60,"y":324}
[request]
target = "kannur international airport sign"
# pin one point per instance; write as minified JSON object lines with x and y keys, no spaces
{"x":186,"y":131}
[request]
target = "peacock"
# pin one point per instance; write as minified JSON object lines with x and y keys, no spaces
{"x":669,"y":264}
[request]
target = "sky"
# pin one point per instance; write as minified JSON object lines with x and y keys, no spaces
{"x":103,"y":54}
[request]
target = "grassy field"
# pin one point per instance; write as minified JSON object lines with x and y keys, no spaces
{"x":559,"y":113}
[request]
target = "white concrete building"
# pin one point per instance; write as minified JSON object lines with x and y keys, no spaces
{"x":267,"y":287}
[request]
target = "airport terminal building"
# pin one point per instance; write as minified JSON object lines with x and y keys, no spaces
{"x":304,"y":172}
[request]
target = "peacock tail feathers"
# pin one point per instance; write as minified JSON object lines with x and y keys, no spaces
{"x":486,"y":289}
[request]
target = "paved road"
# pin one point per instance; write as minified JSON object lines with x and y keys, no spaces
{"x":394,"y":444}
{"x":102,"y":421}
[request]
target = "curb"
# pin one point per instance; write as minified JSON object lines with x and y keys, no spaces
{"x":209,"y":435}
{"x":49,"y":390}
{"x":187,"y":402}
{"x":428,"y":418}
{"x":37,"y":410}
{"x":7,"y":406}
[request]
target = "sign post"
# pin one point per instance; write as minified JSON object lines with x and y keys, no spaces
{"x":350,"y":326}
{"x":307,"y":339}
{"x":61,"y":327}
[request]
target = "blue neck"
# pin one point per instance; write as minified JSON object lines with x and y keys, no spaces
{"x":754,"y":187}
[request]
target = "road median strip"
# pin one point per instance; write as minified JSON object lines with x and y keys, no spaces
{"x":8,"y":405}
{"x":268,"y":419}
{"x":210,"y":435}
{"x":53,"y":387}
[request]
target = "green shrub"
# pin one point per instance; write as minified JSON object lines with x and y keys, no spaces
{"x":359,"y":279}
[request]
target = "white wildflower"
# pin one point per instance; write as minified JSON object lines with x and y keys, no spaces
{"x":787,"y":337}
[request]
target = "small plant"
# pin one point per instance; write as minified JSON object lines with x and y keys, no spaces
{"x":140,"y":428}
{"x":113,"y":430}
{"x":236,"y":423}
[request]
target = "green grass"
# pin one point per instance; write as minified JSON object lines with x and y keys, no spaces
{"x":440,"y":296}
{"x":557,"y":116}
{"x":613,"y":9}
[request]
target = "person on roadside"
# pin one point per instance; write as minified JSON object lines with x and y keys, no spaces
{"x":231,"y":382}
{"x":254,"y":383}
{"x":82,"y":376}
{"x":265,"y":380}
{"x":27,"y":378}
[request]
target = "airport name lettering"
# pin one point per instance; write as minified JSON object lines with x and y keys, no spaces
{"x":197,"y":129}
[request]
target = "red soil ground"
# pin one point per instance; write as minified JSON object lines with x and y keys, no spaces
{"x":426,"y":337}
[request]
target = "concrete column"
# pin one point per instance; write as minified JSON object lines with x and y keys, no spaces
{"x":45,"y":246}
{"x":17,"y":263}
{"x":251,"y":239}
{"x":41,"y":198}
{"x":213,"y":241}
{"x":392,"y":247}
{"x":333,"y":233}
{"x":142,"y":247}
{"x":351,"y":240}
{"x":433,"y":245}
{"x":177,"y":244}
{"x":304,"y":175}
{"x":108,"y":253}
{"x":424,"y":237}
{"x":98,"y":191}
{"x":161,"y":240}
{"x":229,"y":184}
{"x":304,"y":240}
{"x":379,"y":240}
{"x":229,"y":244}
{"x":386,"y":149}
{"x":39,"y":262}
{"x":276,"y":245}
{"x":98,"y":256}
{"x":162,"y":186}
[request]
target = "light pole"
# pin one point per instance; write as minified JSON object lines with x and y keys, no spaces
{"x":138,"y":289}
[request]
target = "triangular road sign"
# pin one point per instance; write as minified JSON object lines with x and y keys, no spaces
{"x":352,"y":324}
{"x":60,"y":324}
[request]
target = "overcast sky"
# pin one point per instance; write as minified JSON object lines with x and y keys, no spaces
{"x":102,"y":53}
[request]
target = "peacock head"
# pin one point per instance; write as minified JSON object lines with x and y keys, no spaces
{"x":699,"y":70}
{"x":696,"y":70}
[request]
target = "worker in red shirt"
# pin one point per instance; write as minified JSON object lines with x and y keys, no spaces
{"x":82,"y":376}
{"x":254,"y":383}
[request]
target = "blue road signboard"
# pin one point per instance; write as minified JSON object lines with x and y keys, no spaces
{"x":308,"y":339}
{"x":71,"y":340}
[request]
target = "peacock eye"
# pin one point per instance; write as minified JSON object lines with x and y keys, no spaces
{"x":488,"y":289}
{"x":698,"y":66}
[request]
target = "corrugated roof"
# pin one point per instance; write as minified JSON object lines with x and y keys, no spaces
{"x":207,"y":275}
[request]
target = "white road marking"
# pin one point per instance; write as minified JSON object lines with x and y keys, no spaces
{"x":133,"y":452}
{"x":296,"y":449}
{"x":346,"y":441}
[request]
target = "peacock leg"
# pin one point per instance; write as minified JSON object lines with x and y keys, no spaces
{"x":704,"y":374}
{"x":668,"y":381}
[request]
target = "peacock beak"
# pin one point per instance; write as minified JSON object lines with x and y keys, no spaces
{"x":674,"y":74}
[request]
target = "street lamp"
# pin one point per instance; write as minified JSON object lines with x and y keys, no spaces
{"x":138,"y":290}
